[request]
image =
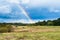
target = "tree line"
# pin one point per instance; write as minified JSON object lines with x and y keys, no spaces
{"x":49,"y":22}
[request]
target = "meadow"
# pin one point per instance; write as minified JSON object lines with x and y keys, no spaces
{"x":33,"y":33}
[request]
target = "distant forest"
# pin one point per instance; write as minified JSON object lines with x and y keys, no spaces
{"x":39,"y":23}
{"x":49,"y":22}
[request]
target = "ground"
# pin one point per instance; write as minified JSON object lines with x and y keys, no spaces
{"x":33,"y":33}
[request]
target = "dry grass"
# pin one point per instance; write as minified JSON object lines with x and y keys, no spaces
{"x":33,"y":33}
{"x":37,"y":29}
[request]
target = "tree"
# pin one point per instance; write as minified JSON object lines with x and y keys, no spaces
{"x":49,"y":22}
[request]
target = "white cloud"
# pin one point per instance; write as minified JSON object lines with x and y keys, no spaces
{"x":13,"y":1}
{"x":48,"y":3}
{"x":25,"y":1}
{"x":5,"y":9}
{"x":16,"y":21}
{"x":54,"y":10}
{"x":35,"y":3}
{"x":52,"y":5}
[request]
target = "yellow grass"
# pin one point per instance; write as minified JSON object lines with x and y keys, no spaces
{"x":33,"y":33}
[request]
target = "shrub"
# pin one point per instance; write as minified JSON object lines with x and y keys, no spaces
{"x":5,"y":28}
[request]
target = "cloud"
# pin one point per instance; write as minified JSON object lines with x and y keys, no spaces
{"x":47,"y":3}
{"x":5,"y":9}
{"x":16,"y":21}
{"x":13,"y":1}
{"x":25,"y":1}
{"x":54,"y":10}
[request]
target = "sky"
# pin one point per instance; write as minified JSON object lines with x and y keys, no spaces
{"x":28,"y":11}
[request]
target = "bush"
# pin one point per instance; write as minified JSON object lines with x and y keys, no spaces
{"x":5,"y":28}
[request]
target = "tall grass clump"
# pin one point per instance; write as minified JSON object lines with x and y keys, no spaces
{"x":5,"y":28}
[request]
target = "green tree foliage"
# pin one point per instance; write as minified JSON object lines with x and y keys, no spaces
{"x":49,"y":22}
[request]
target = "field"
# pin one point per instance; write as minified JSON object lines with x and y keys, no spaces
{"x":33,"y":33}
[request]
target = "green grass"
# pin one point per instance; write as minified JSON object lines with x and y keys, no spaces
{"x":33,"y":35}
